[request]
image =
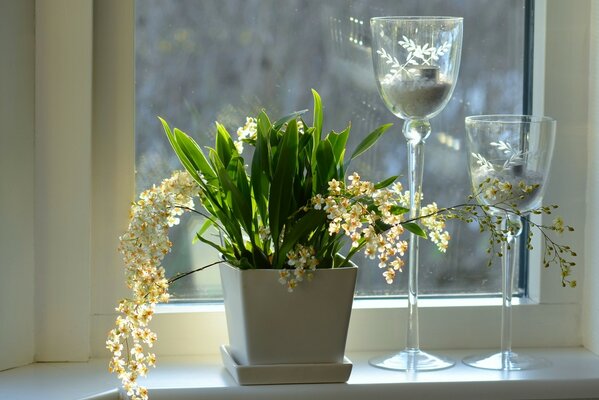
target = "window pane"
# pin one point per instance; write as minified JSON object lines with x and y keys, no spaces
{"x":221,"y":60}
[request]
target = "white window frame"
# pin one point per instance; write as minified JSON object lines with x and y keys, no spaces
{"x":551,"y":317}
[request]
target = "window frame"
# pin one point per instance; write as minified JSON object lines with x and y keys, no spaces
{"x":180,"y":327}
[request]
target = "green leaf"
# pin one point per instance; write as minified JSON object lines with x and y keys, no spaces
{"x":194,"y":155}
{"x":316,"y":134}
{"x":399,"y":210}
{"x":385,"y":183}
{"x":224,"y":144}
{"x":169,"y":135}
{"x":260,"y":174}
{"x":205,"y":226}
{"x":215,"y":160}
{"x":239,"y":204}
{"x":222,"y":200}
{"x":263,"y":123}
{"x":338,"y":141}
{"x":179,"y":151}
{"x":317,"y":119}
{"x":245,"y":191}
{"x":370,"y":140}
{"x":281,"y":190}
{"x":279,"y":123}
{"x":216,"y":246}
{"x":325,"y":161}
{"x":260,"y":169}
{"x":309,"y":222}
{"x":415,"y":229}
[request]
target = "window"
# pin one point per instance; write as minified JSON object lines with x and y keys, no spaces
{"x":551,"y":318}
{"x":201,"y":61}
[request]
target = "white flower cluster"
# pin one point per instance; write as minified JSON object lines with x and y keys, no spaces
{"x":143,"y":246}
{"x":246,"y":132}
{"x":358,"y":211}
{"x":503,"y":191}
{"x":303,"y":260}
{"x":435,"y":226}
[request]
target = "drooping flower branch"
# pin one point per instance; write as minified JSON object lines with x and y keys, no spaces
{"x":505,"y":197}
{"x":500,"y":204}
{"x":144,"y":246}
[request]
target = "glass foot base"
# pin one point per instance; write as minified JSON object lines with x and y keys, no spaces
{"x":506,"y":361}
{"x":412,"y":360}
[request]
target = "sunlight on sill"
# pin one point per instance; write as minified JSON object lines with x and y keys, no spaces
{"x":360,"y":304}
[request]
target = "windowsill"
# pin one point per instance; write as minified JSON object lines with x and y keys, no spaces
{"x":363,"y":304}
{"x":573,"y":375}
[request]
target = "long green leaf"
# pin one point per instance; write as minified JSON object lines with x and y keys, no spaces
{"x":281,"y":190}
{"x":223,"y":200}
{"x":218,"y":247}
{"x":194,"y":154}
{"x":325,"y":160}
{"x":260,"y":169}
{"x":317,"y":119}
{"x":245,"y":191}
{"x":338,"y":141}
{"x":179,"y":151}
{"x":263,"y":123}
{"x":370,"y":140}
{"x":205,"y":226}
{"x":280,"y":122}
{"x":240,"y":206}
{"x":385,"y":183}
{"x":316,"y":136}
{"x":224,"y":144}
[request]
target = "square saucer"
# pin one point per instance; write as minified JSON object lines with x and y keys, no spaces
{"x":277,"y":374}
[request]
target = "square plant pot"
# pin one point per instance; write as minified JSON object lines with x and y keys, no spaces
{"x":268,"y":325}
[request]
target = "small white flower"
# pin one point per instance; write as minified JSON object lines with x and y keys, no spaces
{"x":389,"y":275}
{"x":238,"y":146}
{"x":249,"y":130}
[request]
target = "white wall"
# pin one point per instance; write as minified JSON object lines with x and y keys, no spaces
{"x":591,"y":280}
{"x":566,"y":100}
{"x":17,"y":47}
{"x":63,"y":115}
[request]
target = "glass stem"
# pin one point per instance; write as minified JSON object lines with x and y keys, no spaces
{"x":510,"y":252}
{"x":415,"y":132}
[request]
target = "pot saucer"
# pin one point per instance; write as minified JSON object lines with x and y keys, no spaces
{"x":277,"y":374}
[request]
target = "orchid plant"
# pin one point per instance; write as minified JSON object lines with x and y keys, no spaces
{"x":292,"y":209}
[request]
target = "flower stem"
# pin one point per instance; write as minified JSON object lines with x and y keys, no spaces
{"x":184,"y":274}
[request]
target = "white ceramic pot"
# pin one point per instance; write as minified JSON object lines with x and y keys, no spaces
{"x":268,"y":325}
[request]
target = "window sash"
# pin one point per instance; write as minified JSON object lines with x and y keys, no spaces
{"x":550,"y":318}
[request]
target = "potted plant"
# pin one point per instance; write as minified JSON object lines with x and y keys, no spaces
{"x":283,"y":221}
{"x":275,"y":229}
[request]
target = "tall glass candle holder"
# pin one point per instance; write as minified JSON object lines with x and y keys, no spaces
{"x":512,"y":150}
{"x":416,"y":62}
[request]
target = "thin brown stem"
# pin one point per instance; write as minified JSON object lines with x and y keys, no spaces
{"x":184,"y":274}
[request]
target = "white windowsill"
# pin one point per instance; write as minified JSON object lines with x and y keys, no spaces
{"x":362,"y":304}
{"x":573,"y":375}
